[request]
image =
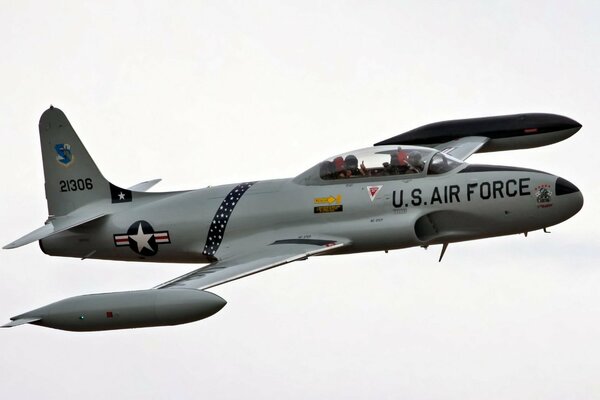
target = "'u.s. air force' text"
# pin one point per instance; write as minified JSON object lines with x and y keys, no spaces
{"x":456,"y":193}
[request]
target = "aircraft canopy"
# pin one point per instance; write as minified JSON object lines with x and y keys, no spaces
{"x":409,"y":161}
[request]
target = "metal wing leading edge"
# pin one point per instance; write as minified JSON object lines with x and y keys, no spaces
{"x":278,"y":253}
{"x":462,"y":148}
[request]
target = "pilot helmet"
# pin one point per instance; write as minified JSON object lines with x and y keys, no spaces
{"x":327,"y":169}
{"x":351,"y":162}
{"x":414,"y":159}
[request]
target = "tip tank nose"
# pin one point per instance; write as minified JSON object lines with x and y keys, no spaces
{"x":561,"y":122}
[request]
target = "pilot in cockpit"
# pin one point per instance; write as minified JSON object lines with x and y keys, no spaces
{"x":339,"y":167}
{"x":398,"y":162}
{"x":415,"y":162}
{"x":352,"y":169}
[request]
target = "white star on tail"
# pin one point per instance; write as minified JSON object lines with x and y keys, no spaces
{"x":142,"y":239}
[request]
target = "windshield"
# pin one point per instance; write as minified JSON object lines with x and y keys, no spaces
{"x":442,"y":163}
{"x":376,"y":161}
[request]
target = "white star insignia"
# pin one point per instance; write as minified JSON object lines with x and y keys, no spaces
{"x":142,"y":239}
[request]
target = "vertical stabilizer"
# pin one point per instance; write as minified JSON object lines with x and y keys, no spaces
{"x":72,"y":178}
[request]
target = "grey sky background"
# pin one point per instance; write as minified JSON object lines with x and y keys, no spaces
{"x":204,"y":93}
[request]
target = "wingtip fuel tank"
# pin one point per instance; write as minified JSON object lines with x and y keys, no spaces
{"x":504,"y":132}
{"x":123,"y":310}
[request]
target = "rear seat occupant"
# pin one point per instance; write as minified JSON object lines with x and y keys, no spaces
{"x":340,"y":168}
{"x":352,"y":166}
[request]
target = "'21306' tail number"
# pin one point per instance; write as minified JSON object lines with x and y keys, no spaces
{"x":74,"y":185}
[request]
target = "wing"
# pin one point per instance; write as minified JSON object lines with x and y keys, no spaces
{"x":273,"y":255}
{"x":462,"y":148}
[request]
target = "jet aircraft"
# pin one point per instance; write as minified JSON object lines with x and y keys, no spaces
{"x":414,"y":189}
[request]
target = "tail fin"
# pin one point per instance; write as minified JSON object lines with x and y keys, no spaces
{"x":72,"y":181}
{"x":72,"y":178}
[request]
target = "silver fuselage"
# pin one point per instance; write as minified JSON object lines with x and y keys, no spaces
{"x":468,"y":203}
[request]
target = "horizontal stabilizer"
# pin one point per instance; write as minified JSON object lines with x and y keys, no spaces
{"x":53,"y":227}
{"x":144,"y":186}
{"x":20,"y":321}
{"x":38,"y":234}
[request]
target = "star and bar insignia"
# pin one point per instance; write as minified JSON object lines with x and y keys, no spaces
{"x":142,"y":238}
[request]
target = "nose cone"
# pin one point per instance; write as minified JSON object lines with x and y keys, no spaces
{"x":558,"y":122}
{"x":570,"y":196}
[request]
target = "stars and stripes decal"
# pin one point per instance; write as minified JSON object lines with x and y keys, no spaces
{"x":216,"y":232}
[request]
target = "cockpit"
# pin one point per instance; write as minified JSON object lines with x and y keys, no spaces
{"x":382,"y":161}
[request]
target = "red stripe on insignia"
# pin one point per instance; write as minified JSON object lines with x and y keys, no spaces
{"x":121,"y":240}
{"x":162,"y":237}
{"x":530,"y":130}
